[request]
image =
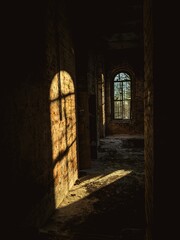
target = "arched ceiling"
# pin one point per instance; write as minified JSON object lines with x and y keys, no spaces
{"x":116,"y":24}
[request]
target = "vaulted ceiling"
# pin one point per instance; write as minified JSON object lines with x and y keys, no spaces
{"x":116,"y":24}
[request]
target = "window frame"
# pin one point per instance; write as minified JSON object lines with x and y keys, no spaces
{"x":123,"y":100}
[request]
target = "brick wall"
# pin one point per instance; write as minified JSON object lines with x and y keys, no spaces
{"x":42,"y":131}
{"x":86,"y":69}
{"x":81,"y":57}
{"x":148,"y":116}
{"x":101,"y":96}
{"x":92,"y":92}
{"x":91,"y":100}
{"x":132,"y":63}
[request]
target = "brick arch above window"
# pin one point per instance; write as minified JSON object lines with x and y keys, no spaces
{"x":123,"y":68}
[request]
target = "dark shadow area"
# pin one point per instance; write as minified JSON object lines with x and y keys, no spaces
{"x":119,"y":211}
{"x":28,"y":132}
{"x":133,"y":143}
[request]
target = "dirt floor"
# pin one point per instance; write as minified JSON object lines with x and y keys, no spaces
{"x":107,"y":201}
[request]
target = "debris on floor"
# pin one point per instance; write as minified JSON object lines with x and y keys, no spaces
{"x":107,"y":201}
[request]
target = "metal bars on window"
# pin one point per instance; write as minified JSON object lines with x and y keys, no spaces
{"x":122,"y":96}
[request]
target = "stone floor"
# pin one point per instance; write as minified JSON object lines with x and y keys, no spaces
{"x":107,"y":201}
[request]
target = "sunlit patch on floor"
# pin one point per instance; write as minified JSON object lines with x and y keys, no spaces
{"x":112,"y":189}
{"x":83,"y":189}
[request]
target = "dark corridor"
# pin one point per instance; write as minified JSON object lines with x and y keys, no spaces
{"x":61,"y":137}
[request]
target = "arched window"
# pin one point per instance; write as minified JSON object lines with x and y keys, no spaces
{"x":122,"y":96}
